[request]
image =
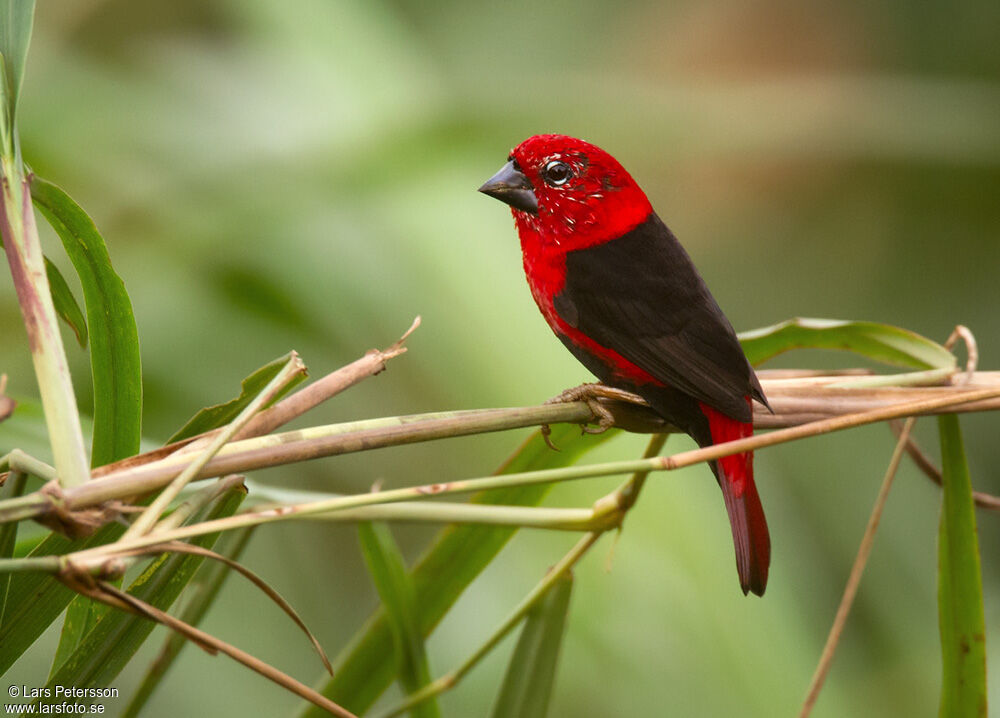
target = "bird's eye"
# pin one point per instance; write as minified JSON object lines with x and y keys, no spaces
{"x":557,"y":173}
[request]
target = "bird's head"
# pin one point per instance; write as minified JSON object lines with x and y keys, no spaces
{"x":570,"y":192}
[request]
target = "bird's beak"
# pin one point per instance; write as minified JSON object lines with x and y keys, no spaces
{"x":511,"y":186}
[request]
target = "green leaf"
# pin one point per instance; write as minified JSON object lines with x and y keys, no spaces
{"x":27,"y":545}
{"x":114,"y":341}
{"x":81,"y":616}
{"x":458,"y":554}
{"x":213,"y":417}
{"x":388,"y":570}
{"x":118,"y":635}
{"x":36,"y":599}
{"x":16,"y":19}
{"x":66,"y":307}
{"x":960,"y":587}
{"x":114,"y":357}
{"x":881,"y":342}
{"x":64,"y":302}
{"x":206,"y":586}
{"x":12,"y":488}
{"x":530,"y":678}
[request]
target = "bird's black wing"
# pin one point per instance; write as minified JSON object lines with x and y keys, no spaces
{"x":641,"y":296}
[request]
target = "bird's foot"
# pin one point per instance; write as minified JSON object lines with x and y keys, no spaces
{"x":590,"y":393}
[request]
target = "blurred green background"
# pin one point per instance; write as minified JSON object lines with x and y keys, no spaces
{"x":273,"y":175}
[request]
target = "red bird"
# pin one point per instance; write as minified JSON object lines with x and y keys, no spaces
{"x":621,"y":293}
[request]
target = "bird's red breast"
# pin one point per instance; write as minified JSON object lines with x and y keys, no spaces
{"x":598,"y":202}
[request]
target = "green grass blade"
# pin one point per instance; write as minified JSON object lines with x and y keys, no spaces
{"x":25,"y":546}
{"x":66,"y":306}
{"x":388,"y":571}
{"x":16,"y":19}
{"x":881,"y":342}
{"x":207,"y":584}
{"x":458,"y":554}
{"x":530,"y":678}
{"x":960,"y":587}
{"x":114,"y":341}
{"x":35,"y":600}
{"x":12,"y":488}
{"x":109,"y":646}
{"x":213,"y":417}
{"x":114,"y":359}
{"x":81,"y":616}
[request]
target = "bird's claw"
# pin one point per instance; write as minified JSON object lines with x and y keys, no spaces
{"x":604,"y":418}
{"x":546,"y":431}
{"x":588,"y":393}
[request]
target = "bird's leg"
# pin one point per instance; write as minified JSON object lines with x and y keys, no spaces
{"x":591,"y":393}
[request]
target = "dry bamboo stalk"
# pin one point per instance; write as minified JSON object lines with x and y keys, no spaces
{"x":794,"y":406}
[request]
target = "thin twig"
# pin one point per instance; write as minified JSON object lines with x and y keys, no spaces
{"x":617,"y":505}
{"x":927,"y":377}
{"x":205,"y":588}
{"x":448,"y":680}
{"x":113,"y":596}
{"x":926,"y":465}
{"x":628,"y":493}
{"x":971,"y":349}
{"x":271,"y":593}
{"x":661,"y":463}
{"x":197,"y":501}
{"x":311,"y":395}
{"x":314,"y":394}
{"x":667,"y":463}
{"x":309,"y":444}
{"x":362,"y":436}
{"x":450,"y":512}
{"x":851,"y":590}
{"x":17,"y":460}
{"x":790,"y":399}
{"x":795,"y":401}
{"x":151,"y":515}
{"x":332,"y":440}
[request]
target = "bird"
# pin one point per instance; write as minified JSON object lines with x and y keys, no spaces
{"x":622,"y":294}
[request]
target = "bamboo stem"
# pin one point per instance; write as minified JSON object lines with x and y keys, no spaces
{"x":117,"y":598}
{"x":17,"y":460}
{"x":331,"y":440}
{"x":27,"y":267}
{"x":266,"y":451}
{"x":151,"y":515}
{"x":462,"y":513}
{"x":197,"y":501}
{"x":660,"y":463}
{"x":44,"y":564}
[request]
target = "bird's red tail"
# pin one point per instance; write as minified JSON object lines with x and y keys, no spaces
{"x":746,"y":515}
